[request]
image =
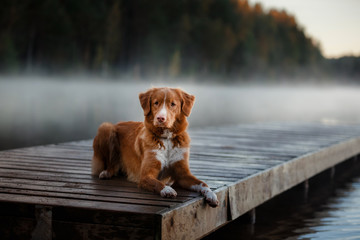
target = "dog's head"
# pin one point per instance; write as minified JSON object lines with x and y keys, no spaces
{"x":166,"y":108}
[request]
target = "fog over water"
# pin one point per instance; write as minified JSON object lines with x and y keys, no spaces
{"x":37,"y":110}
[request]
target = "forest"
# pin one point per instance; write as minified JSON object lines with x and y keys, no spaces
{"x":141,"y":38}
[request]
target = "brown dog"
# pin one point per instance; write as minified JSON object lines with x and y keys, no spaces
{"x":153,"y":153}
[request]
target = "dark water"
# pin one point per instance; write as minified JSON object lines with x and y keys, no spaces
{"x":338,"y":219}
{"x":330,"y":210}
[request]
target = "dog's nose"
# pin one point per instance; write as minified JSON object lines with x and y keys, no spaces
{"x":161,"y":119}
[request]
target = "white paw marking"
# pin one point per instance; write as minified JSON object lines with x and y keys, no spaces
{"x":104,"y":175}
{"x":168,"y":191}
{"x":209,"y":195}
{"x":211,"y":198}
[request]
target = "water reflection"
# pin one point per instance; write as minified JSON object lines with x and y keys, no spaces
{"x":339,"y":218}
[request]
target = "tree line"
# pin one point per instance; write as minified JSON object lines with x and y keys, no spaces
{"x":154,"y":38}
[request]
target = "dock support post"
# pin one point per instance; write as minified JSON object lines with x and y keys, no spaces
{"x":252,"y":216}
{"x":43,"y":228}
{"x":355,"y":159}
{"x":306,"y":189}
{"x":251,"y":220}
{"x":332,"y":173}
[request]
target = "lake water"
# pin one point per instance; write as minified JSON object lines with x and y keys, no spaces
{"x":39,"y":111}
{"x":339,"y":218}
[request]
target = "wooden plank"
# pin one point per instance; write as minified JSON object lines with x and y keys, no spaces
{"x":46,"y":156}
{"x":114,"y":185}
{"x":46,"y":161}
{"x":85,"y":190}
{"x":84,"y":204}
{"x":50,"y":158}
{"x":51,"y":194}
{"x":43,"y":169}
{"x":39,"y":166}
{"x":81,"y":195}
{"x":244,"y":164}
{"x":51,"y":153}
{"x":51,"y":149}
{"x":193,"y":219}
{"x":252,"y":191}
{"x":243,"y":153}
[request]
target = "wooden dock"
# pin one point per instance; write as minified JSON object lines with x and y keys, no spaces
{"x":47,"y":192}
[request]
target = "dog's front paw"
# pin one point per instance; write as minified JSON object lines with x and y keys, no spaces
{"x":211,"y":199}
{"x":105,"y":175}
{"x":168,"y":191}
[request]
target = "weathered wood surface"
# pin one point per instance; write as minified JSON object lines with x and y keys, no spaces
{"x":246,"y":165}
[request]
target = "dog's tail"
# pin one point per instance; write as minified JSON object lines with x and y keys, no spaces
{"x":106,"y":147}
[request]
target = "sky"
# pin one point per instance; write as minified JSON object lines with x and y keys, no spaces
{"x":333,"y":23}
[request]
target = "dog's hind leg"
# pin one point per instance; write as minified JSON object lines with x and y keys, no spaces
{"x":106,"y":159}
{"x":98,"y":160}
{"x":113,"y":161}
{"x":97,"y":165}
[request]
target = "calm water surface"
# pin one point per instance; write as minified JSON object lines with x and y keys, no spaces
{"x":339,"y":218}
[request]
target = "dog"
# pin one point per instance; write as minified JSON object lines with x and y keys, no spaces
{"x":153,"y":153}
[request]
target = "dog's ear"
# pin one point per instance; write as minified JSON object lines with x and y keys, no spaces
{"x":187,"y":103}
{"x":145,"y":99}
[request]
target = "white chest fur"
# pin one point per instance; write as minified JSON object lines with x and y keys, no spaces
{"x":168,"y":154}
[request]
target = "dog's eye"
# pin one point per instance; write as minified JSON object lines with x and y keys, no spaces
{"x":156,"y":103}
{"x":173,"y":104}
